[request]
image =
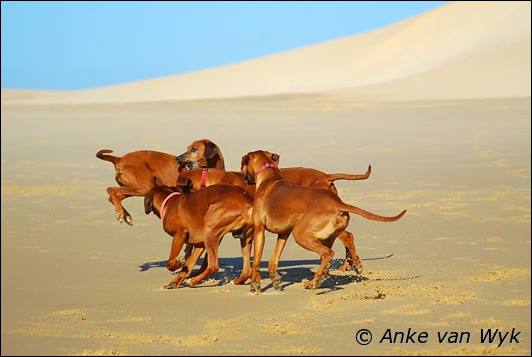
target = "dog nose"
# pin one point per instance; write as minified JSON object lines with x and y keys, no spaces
{"x":180,"y":159}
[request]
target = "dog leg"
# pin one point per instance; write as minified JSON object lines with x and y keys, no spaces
{"x":116,"y":196}
{"x":187,"y":269}
{"x":177,"y":243}
{"x":351,"y":261}
{"x":308,"y":241}
{"x":211,"y":245}
{"x":258,"y":247}
{"x":274,"y":261}
{"x":245,"y":245}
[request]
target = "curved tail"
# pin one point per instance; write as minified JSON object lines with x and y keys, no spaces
{"x":101,"y":155}
{"x":369,"y":215}
{"x":333,"y":177}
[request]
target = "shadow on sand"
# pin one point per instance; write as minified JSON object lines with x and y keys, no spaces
{"x":291,"y":271}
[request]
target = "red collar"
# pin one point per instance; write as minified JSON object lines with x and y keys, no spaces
{"x":267,"y":165}
{"x":166,"y":200}
{"x":204,"y":177}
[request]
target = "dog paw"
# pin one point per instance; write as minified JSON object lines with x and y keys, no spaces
{"x":170,"y":285}
{"x":254,"y":288}
{"x":345,"y":266}
{"x":276,"y":282}
{"x":191,"y":282}
{"x":240,"y":280}
{"x":358,"y":268}
{"x":310,"y":284}
{"x":129,"y":220}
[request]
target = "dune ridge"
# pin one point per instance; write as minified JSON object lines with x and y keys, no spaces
{"x":472,"y":49}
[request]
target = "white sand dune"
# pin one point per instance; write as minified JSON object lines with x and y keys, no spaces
{"x":460,"y":50}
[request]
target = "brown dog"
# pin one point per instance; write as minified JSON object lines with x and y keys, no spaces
{"x":205,"y":153}
{"x":301,"y":176}
{"x":201,"y":219}
{"x":314,"y":216}
{"x":139,"y":171}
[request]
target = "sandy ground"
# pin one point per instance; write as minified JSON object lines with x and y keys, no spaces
{"x":75,"y":281}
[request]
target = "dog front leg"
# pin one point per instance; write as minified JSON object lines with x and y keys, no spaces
{"x":245,"y":246}
{"x":177,"y":243}
{"x":274,"y":261}
{"x":185,"y":271}
{"x":258,"y":247}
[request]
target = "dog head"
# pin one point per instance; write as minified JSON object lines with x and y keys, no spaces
{"x":150,"y":204}
{"x":204,"y":153}
{"x":252,"y":161}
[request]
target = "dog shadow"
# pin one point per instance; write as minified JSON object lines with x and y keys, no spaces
{"x":291,"y":272}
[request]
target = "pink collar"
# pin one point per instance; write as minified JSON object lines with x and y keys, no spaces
{"x":166,"y":200}
{"x":204,"y":177}
{"x":267,"y":165}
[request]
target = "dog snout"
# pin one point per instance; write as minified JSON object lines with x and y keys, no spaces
{"x":180,"y":159}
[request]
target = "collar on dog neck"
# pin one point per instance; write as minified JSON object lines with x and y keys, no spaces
{"x":204,"y":177}
{"x":166,"y":200}
{"x":267,"y":165}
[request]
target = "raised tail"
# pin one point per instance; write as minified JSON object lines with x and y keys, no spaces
{"x":333,"y":177}
{"x":101,"y":155}
{"x":369,"y":215}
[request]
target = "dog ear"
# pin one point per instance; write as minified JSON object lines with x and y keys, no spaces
{"x":213,"y":155}
{"x":275,"y":158}
{"x":148,"y":202}
{"x":186,"y":186}
{"x":245,"y":161}
{"x":181,"y":180}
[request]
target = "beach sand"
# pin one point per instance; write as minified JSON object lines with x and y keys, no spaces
{"x":439,"y":105}
{"x":75,"y":281}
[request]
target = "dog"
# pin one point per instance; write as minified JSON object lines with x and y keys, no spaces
{"x":201,"y":219}
{"x":195,"y":177}
{"x":205,"y":153}
{"x":139,"y":171}
{"x":314,"y":216}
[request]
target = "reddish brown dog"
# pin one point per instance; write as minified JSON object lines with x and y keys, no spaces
{"x":201,"y":219}
{"x":314,"y":216}
{"x":139,"y":171}
{"x":204,"y":153}
{"x":301,"y":176}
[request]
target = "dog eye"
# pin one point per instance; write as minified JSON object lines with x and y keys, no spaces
{"x":194,"y":150}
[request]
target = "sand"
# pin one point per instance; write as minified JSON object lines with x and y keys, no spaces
{"x":438,"y":104}
{"x":75,"y":281}
{"x":453,"y":45}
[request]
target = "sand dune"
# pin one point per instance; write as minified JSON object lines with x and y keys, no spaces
{"x":423,"y":54}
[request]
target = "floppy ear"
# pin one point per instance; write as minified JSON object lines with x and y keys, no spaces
{"x":186,"y":186}
{"x":275,"y":158}
{"x":213,"y":155}
{"x":148,"y":202}
{"x":245,"y":161}
{"x":181,"y":180}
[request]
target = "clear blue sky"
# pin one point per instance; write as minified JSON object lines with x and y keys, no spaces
{"x":70,"y":45}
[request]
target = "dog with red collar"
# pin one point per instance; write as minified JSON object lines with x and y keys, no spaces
{"x":201,"y":219}
{"x":314,"y":216}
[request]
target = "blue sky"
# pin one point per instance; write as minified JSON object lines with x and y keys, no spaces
{"x":71,"y":45}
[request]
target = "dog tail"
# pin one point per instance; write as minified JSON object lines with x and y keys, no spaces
{"x":369,"y":215}
{"x":333,"y":177}
{"x":101,"y":155}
